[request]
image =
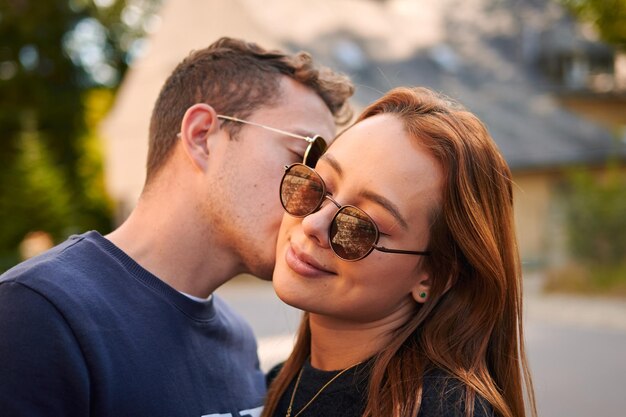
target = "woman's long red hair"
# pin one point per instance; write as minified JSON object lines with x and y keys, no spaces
{"x":474,"y":329}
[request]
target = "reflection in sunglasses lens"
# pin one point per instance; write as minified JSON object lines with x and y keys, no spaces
{"x":352,"y":233}
{"x":301,"y":191}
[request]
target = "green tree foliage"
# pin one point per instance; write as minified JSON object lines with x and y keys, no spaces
{"x":608,"y":16}
{"x":34,"y":196}
{"x":60,"y":62}
{"x":597,"y":217}
{"x":596,"y":224}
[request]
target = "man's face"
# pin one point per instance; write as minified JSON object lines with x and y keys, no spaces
{"x":244,"y":209}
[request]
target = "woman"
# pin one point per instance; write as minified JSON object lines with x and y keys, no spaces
{"x":400,"y":248}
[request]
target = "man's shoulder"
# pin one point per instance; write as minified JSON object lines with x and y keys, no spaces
{"x":64,"y":266}
{"x":49,"y":260}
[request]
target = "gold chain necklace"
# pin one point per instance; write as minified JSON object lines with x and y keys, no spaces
{"x":295,"y":388}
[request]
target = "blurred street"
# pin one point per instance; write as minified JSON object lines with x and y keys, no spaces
{"x":576,"y":346}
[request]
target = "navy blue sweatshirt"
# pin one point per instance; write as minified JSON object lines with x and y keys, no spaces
{"x":86,"y":331}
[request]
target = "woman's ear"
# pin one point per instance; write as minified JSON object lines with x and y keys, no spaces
{"x":421,"y":290}
{"x":199,"y":123}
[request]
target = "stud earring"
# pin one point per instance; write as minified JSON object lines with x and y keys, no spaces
{"x":422,"y":295}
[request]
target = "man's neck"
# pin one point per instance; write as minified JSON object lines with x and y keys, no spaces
{"x":169,"y":239}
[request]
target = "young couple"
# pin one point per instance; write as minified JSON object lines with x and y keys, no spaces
{"x":397,"y":242}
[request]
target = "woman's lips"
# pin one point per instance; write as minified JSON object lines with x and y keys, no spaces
{"x":303,"y":264}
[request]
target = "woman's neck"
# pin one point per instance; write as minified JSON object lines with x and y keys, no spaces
{"x":337,"y":344}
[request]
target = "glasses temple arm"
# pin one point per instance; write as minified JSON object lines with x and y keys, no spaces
{"x":407,"y":252}
{"x":273,"y":129}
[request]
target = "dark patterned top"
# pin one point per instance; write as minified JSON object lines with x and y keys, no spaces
{"x":443,"y":396}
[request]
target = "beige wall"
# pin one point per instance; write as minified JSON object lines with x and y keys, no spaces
{"x":536,"y":219}
{"x":540,"y":217}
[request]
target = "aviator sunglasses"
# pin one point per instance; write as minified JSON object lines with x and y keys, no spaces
{"x":352,"y":234}
{"x":317,"y":144}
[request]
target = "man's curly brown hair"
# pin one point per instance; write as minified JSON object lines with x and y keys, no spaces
{"x":236,"y":78}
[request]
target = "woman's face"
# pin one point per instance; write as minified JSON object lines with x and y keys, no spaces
{"x":378,"y":168}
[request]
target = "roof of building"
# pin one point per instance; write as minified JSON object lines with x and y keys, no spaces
{"x":481,"y":52}
{"x":492,"y":71}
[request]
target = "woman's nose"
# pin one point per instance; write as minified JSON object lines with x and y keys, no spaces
{"x":317,"y":224}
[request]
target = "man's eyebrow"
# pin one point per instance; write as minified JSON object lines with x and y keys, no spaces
{"x":386,"y":204}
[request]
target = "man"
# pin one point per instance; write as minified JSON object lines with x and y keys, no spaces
{"x":125,"y":325}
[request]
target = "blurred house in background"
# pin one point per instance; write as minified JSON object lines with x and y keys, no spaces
{"x":521,"y":66}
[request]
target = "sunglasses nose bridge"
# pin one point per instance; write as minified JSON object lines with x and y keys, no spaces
{"x":332,"y":200}
{"x":326,"y":211}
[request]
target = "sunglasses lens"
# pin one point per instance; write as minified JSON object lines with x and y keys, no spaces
{"x":352,"y":233}
{"x":314,"y":151}
{"x":301,"y":191}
